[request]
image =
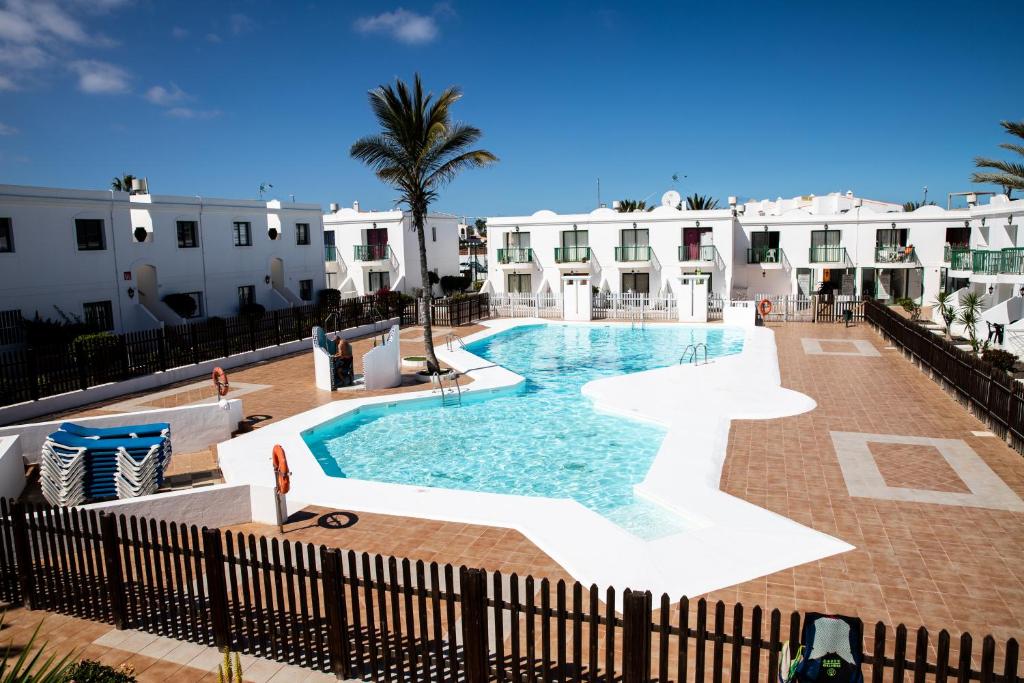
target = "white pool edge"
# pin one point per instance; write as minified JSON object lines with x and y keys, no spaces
{"x":732,"y":540}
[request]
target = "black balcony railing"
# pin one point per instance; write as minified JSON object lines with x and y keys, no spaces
{"x":698,"y":252}
{"x":634,"y":252}
{"x":515,"y":255}
{"x":764,"y":255}
{"x":372,"y":252}
{"x":572,"y":254}
{"x":827,"y":253}
{"x":895,"y":253}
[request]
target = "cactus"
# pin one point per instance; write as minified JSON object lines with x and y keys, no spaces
{"x":231,"y":670}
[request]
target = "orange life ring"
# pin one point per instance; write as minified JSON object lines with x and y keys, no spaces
{"x":765,"y":307}
{"x":281,"y":472}
{"x":220,"y":381}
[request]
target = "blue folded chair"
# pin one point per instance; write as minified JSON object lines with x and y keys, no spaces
{"x":107,"y":445}
{"x":128,"y":431}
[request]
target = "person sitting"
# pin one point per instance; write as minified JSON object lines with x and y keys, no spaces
{"x":343,"y":361}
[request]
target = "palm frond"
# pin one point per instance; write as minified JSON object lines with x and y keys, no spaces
{"x":1006,"y":180}
{"x":1015,"y":128}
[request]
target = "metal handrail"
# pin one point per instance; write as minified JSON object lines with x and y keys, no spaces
{"x":451,"y":337}
{"x":694,"y":358}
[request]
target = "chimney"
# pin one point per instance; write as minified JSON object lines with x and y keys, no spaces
{"x":334,"y":207}
{"x":355,"y":206}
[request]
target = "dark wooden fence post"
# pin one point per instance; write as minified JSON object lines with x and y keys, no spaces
{"x":474,"y":625}
{"x":337,"y":620}
{"x":161,"y":341}
{"x":636,"y":635}
{"x":112,"y":568}
{"x":23,"y":555}
{"x":277,"y":328}
{"x":216,"y":584}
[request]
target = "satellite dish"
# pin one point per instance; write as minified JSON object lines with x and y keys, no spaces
{"x":671,"y":198}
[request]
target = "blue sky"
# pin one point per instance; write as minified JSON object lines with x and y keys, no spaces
{"x":751,"y":99}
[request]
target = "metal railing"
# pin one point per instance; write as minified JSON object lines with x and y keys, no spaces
{"x":986,"y":262}
{"x":330,"y":252}
{"x":633,"y":253}
{"x":960,"y":259}
{"x":826,"y":253}
{"x":372,"y":252}
{"x":765,"y":255}
{"x":894,"y":253}
{"x":1012,"y":261}
{"x":572,"y":254}
{"x":698,"y":252}
{"x":949,"y":249}
{"x":515,"y":255}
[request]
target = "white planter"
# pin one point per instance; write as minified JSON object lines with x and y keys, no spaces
{"x":414,"y":362}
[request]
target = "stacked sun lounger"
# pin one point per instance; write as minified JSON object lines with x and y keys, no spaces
{"x":81,"y":464}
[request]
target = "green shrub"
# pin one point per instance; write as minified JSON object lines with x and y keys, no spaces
{"x":90,"y":671}
{"x":1003,"y":360}
{"x":46,"y":331}
{"x":329,"y":298}
{"x":451,"y":284}
{"x":253,"y":310}
{"x":182,"y":304}
{"x":478,"y":285}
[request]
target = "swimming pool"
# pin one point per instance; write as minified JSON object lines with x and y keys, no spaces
{"x":542,"y":439}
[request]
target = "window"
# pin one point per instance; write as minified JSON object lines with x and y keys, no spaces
{"x":575,"y":246}
{"x":330,"y":250}
{"x":187,"y":235}
{"x":517,"y":240}
{"x":433,"y":233}
{"x":306,"y":290}
{"x":89,"y":232}
{"x":198,"y":298}
{"x":99,"y":314}
{"x":635,"y":237}
{"x":302,"y":233}
{"x":825,"y":246}
{"x":891,"y":239}
{"x":639,"y":283}
{"x":519,"y":283}
{"x":246,"y":295}
{"x":242,"y":234}
{"x":6,"y":235}
{"x":379,"y":280}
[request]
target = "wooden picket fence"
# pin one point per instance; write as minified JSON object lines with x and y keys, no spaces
{"x":380,"y":618}
{"x":463,"y":310}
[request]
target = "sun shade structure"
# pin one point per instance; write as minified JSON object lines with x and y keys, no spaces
{"x":80,"y":464}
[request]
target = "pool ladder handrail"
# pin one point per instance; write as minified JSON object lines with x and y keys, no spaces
{"x":452,"y":395}
{"x":692,"y":349}
{"x":452,"y":337}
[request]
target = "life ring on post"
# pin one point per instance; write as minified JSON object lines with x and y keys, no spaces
{"x":220,"y":381}
{"x":765,"y":307}
{"x":281,"y":472}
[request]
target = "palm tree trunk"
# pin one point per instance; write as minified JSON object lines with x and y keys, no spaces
{"x":428,"y":295}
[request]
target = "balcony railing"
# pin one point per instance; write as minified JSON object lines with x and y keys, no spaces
{"x":515,"y":255}
{"x":960,"y":259}
{"x":894,"y":253}
{"x":330,"y":252}
{"x":633,"y":253}
{"x":372,"y":252}
{"x":765,"y":255}
{"x":698,"y":252}
{"x":1012,"y":261}
{"x":827,"y":253}
{"x":986,"y":262}
{"x":949,"y":249}
{"x":572,"y":254}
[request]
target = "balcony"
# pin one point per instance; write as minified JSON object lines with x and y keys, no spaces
{"x":892,"y":254}
{"x":572,"y":254}
{"x":1012,"y":262}
{"x":766,"y":256}
{"x":827,"y":253}
{"x":372,"y":252}
{"x":950,"y":249}
{"x":514,"y":255}
{"x":698,"y":253}
{"x":633,"y":254}
{"x":960,"y":259}
{"x":330,"y":253}
{"x":986,"y":262}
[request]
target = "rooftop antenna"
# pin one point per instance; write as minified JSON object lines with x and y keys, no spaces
{"x":263,"y":188}
{"x":925,"y":202}
{"x":599,"y":193}
{"x":293,"y":198}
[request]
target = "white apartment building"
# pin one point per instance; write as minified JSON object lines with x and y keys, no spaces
{"x":838,"y":242}
{"x":367,"y":251}
{"x":111,"y":258}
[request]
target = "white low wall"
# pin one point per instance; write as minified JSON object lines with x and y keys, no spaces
{"x":382,"y":365}
{"x":740,"y":313}
{"x":12,"y":467}
{"x":193,"y":428}
{"x":212,"y":506}
{"x":20,"y":412}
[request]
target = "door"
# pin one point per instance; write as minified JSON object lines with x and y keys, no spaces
{"x":825,"y":246}
{"x":377,"y":241}
{"x":277,"y":274}
{"x":575,"y":245}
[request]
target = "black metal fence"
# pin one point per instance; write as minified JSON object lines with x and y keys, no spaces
{"x":991,"y":394}
{"x":388,"y":619}
{"x":39,"y":371}
{"x":463,"y":310}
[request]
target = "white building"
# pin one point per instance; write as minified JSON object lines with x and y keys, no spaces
{"x":367,"y":251}
{"x":111,"y":258}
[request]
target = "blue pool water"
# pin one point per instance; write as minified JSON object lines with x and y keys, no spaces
{"x":543,"y":439}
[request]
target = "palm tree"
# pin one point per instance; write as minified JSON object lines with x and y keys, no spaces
{"x":122,"y":184}
{"x":418,"y":150}
{"x":969,"y":316}
{"x":699,"y":202}
{"x":630,"y":205}
{"x":945,"y":303}
{"x":1010,"y":175}
{"x":914,"y":206}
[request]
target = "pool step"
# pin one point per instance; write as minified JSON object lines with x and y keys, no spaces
{"x":452,"y":396}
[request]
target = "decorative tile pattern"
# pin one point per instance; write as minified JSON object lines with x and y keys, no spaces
{"x":839,"y":347}
{"x":864,"y":479}
{"x":913,"y":466}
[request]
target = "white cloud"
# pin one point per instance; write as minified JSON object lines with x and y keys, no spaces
{"x":240,"y":23}
{"x":7,"y":84}
{"x":17,"y":28}
{"x":212,"y":38}
{"x":24,"y":56}
{"x":402,"y":25}
{"x":161,"y":96}
{"x":179,"y":33}
{"x":53,"y":19}
{"x":99,"y":78}
{"x":7,"y":130}
{"x":187,"y":113}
